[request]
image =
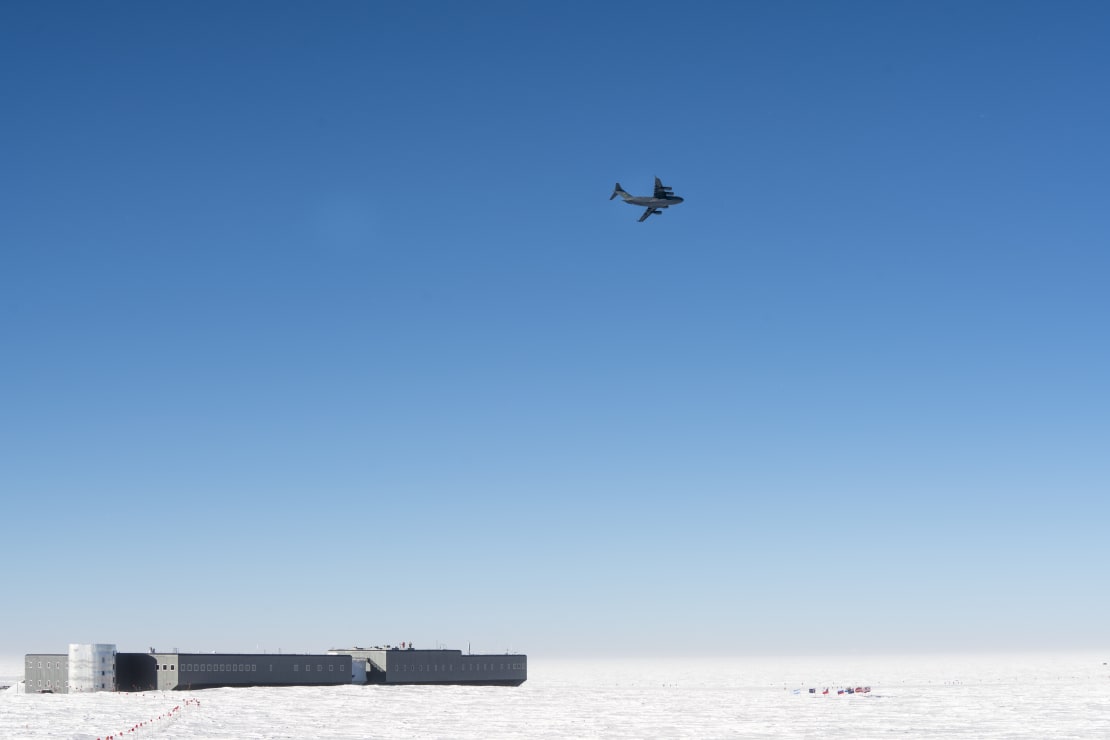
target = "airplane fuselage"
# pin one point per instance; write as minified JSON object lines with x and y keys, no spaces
{"x":646,"y":202}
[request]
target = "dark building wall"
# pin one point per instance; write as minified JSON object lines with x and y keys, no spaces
{"x":135,"y":672}
{"x":451,"y":666}
{"x":407,"y":666}
{"x":205,"y":670}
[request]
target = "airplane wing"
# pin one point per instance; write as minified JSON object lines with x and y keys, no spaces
{"x":661,"y":190}
{"x":648,"y":212}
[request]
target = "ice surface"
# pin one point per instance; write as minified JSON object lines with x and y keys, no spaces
{"x":1063,"y":696}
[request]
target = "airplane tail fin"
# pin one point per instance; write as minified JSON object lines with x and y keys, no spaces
{"x":618,"y":190}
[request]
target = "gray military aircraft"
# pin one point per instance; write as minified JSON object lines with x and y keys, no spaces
{"x":663,"y":198}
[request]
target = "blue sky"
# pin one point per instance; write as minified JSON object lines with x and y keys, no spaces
{"x":318,"y":327}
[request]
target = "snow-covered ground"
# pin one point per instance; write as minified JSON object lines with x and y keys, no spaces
{"x":1039,"y":696}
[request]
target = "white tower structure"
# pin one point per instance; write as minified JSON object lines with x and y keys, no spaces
{"x":92,"y":667}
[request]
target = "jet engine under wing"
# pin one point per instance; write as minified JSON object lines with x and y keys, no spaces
{"x":649,"y":211}
{"x":662,"y":191}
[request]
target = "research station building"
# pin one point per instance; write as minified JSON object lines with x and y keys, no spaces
{"x":100,"y":667}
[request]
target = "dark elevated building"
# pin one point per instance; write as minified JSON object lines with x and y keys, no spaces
{"x":410,"y":666}
{"x":186,"y":671}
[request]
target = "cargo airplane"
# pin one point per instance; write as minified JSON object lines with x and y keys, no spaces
{"x":662,"y":198}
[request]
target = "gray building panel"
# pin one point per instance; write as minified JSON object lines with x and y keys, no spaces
{"x":396,"y":666}
{"x":46,"y":672}
{"x":451,"y":666}
{"x":186,"y":671}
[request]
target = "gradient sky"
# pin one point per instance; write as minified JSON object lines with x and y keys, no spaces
{"x":318,"y":327}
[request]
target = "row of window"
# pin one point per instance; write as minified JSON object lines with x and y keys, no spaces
{"x":222,"y":667}
{"x":462,"y":667}
{"x":247,"y":667}
{"x":57,"y":664}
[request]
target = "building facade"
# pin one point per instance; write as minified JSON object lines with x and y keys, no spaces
{"x":411,"y":666}
{"x":46,"y":673}
{"x":85,"y":668}
{"x":92,"y":667}
{"x":174,"y":671}
{"x":100,"y":668}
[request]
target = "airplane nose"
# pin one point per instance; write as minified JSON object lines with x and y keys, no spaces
{"x":679,"y":200}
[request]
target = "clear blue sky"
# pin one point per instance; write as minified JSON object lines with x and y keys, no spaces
{"x":318,"y":327}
